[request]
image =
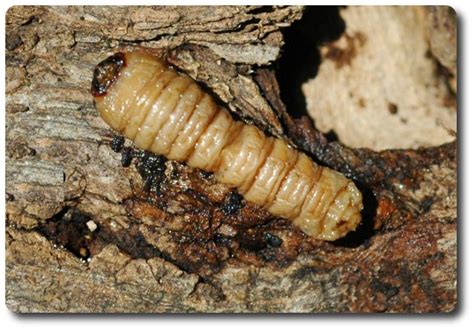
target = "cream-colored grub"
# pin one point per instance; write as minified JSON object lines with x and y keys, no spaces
{"x":165,"y":112}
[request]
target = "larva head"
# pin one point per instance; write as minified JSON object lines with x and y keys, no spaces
{"x":106,"y":73}
{"x":117,"y":82}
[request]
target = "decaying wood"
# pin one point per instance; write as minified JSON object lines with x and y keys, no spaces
{"x":388,"y":78}
{"x":84,"y":233}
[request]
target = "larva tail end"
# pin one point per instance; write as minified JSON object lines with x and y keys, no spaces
{"x":345,"y":215}
{"x":341,"y":216}
{"x":105,"y":73}
{"x":342,"y":227}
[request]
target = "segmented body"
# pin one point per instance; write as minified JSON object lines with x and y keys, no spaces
{"x":166,"y":112}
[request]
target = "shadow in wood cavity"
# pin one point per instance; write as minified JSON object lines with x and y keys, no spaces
{"x":300,"y":55}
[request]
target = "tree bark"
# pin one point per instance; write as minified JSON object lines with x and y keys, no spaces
{"x":86,"y":234}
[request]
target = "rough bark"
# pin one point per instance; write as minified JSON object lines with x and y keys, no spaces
{"x":85,"y":234}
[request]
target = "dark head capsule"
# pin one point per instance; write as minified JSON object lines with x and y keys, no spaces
{"x":106,"y":72}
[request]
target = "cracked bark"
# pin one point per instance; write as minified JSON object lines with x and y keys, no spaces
{"x":83,"y":235}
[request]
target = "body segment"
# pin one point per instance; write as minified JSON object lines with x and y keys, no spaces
{"x":166,"y":112}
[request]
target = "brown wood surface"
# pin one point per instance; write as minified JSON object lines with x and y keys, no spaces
{"x":84,"y":234}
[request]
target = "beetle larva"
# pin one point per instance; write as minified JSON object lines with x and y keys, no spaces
{"x":166,"y":112}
